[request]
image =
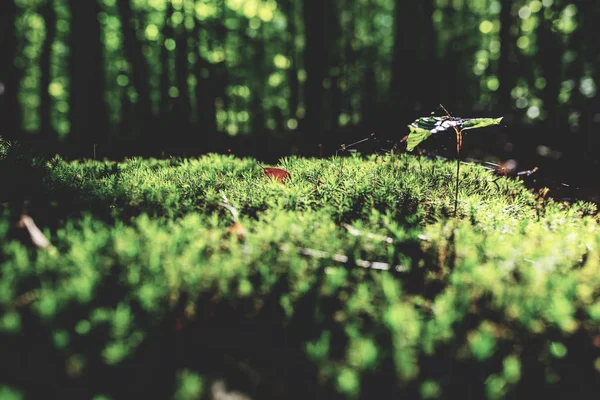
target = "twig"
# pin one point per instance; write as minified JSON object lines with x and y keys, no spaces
{"x":231,"y":208}
{"x":343,"y":259}
{"x":37,"y":237}
{"x":355,"y":232}
{"x":346,"y":147}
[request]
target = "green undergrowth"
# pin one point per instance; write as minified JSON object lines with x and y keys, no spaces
{"x":351,"y":278}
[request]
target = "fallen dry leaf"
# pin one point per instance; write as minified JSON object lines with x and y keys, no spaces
{"x":276,"y":173}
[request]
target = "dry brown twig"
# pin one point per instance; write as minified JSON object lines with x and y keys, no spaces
{"x":37,"y":237}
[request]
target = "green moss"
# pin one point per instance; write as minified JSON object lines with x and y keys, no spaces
{"x":145,"y":246}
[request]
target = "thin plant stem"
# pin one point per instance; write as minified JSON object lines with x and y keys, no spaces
{"x":458,"y":146}
{"x":94,"y":161}
{"x":457,"y":178}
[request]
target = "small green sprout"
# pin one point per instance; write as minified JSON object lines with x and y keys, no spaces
{"x":422,"y":128}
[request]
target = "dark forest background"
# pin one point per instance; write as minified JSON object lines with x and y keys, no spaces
{"x":271,"y":78}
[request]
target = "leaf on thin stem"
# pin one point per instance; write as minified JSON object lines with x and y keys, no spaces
{"x":422,"y":128}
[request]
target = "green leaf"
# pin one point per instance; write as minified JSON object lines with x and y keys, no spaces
{"x":475,"y":123}
{"x":416,"y":137}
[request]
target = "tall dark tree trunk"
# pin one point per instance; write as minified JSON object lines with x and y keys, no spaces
{"x":334,"y":64}
{"x":88,"y":111}
{"x":315,"y":65}
{"x":369,"y":86}
{"x":222,"y":33}
{"x":351,"y":56}
{"x":446,"y":88}
{"x":428,"y":97}
{"x":10,"y":112}
{"x":142,"y":111}
{"x":166,"y":103}
{"x":182,"y":71}
{"x":205,"y":95}
{"x":465,"y":44}
{"x":576,"y":149}
{"x":205,"y":102}
{"x":289,"y":9}
{"x":505,"y":71}
{"x":405,"y":66}
{"x":369,"y":98}
{"x":258,"y":62}
{"x":589,"y":13}
{"x":550,"y":63}
{"x":49,"y":15}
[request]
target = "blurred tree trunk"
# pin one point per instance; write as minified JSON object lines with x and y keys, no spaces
{"x":183,"y":108}
{"x":88,"y":113}
{"x":505,"y":64}
{"x":577,"y":148}
{"x":127,"y":139}
{"x":205,"y":93}
{"x":205,"y":100}
{"x":334,"y":67}
{"x":350,"y":64}
{"x":446,"y":87}
{"x":429,"y":96}
{"x":222,"y":77}
{"x":406,"y":73}
{"x":167,"y":108}
{"x":10,"y":112}
{"x":166,"y":103}
{"x":550,"y":63}
{"x":589,"y":14}
{"x":289,"y":10}
{"x":464,"y":46}
{"x":257,"y":115}
{"x":142,"y":111}
{"x":590,"y":121}
{"x":49,"y":16}
{"x":369,"y":97}
{"x":369,"y":87}
{"x":315,"y":65}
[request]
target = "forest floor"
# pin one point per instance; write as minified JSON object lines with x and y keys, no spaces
{"x":338,"y":277}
